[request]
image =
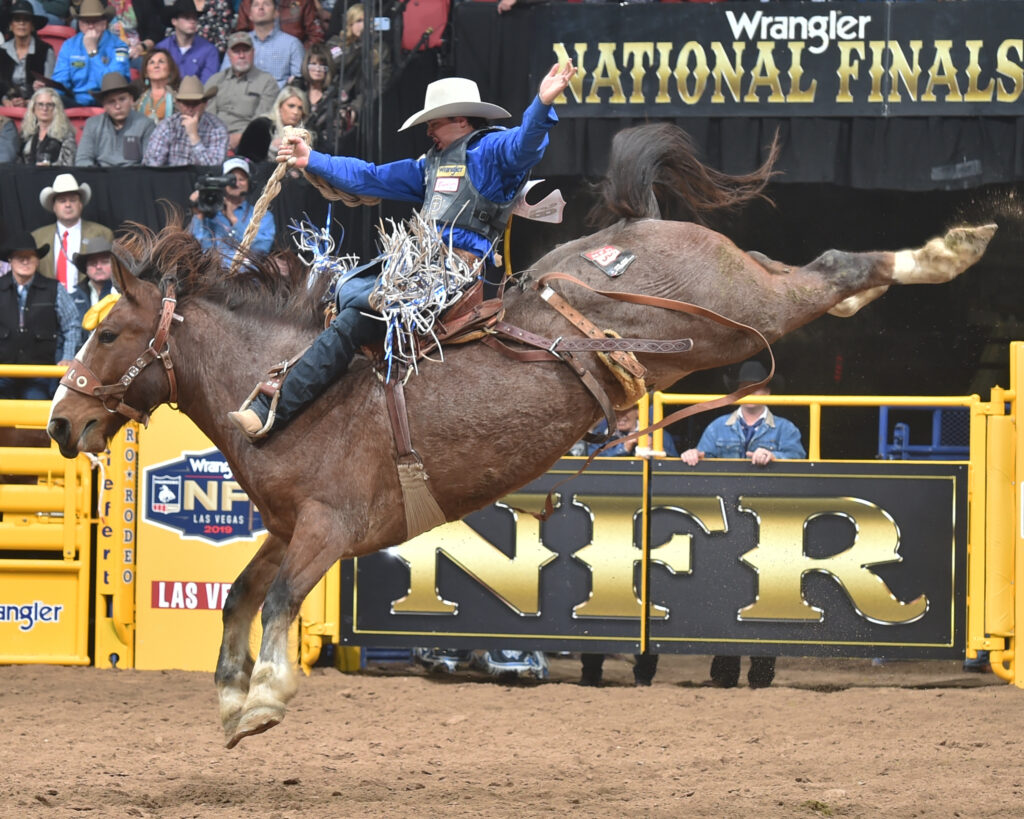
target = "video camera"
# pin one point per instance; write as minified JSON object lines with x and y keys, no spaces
{"x":211,"y":193}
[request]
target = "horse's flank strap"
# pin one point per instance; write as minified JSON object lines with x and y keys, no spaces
{"x":588,"y":328}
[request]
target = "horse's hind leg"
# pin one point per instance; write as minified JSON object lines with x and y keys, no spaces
{"x":234,"y":664}
{"x":941,"y":260}
{"x":314,"y":547}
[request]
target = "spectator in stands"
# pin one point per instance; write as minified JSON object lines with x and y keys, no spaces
{"x":8,"y":140}
{"x":87,"y":57}
{"x":262,"y":138}
{"x":192,"y":136}
{"x":118,"y":136}
{"x":23,"y":55}
{"x":216,"y":22}
{"x":244,"y":92}
{"x":193,"y":54}
{"x":138,"y":24}
{"x":347,"y":50}
{"x":751,"y":432}
{"x":47,"y":138}
{"x":299,"y":18}
{"x":626,"y":422}
{"x":277,"y":53}
{"x":66,"y":198}
{"x":318,"y":81}
{"x":95,"y":278}
{"x":160,"y":77}
{"x":57,"y":11}
{"x":38,"y":320}
{"x":225,"y":230}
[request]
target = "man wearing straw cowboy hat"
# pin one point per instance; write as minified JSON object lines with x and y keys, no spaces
{"x":66,"y":198}
{"x":118,"y":136}
{"x":89,"y":55}
{"x":467,"y":184}
{"x":191,"y":136}
{"x":38,"y":320}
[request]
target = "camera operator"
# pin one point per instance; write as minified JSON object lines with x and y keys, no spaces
{"x":224,"y":228}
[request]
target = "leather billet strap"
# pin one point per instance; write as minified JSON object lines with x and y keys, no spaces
{"x":394,"y":392}
{"x":79,"y":378}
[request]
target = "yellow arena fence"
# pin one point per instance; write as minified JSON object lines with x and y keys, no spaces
{"x":158,"y":592}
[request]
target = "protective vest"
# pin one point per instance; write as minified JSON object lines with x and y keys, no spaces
{"x":36,"y":343}
{"x":452,"y":198}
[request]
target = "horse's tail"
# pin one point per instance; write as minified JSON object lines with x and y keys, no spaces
{"x":654,"y":173}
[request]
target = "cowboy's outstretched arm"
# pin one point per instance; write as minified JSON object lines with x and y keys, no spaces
{"x":556,"y":81}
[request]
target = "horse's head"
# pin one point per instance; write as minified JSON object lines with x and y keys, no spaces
{"x":111,"y":381}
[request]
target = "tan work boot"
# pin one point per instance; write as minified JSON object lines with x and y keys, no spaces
{"x":249,"y":422}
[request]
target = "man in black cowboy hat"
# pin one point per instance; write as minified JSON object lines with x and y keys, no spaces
{"x":754,"y":433}
{"x":118,"y":136}
{"x":38,"y":320}
{"x":194,"y":55}
{"x":89,"y":55}
{"x":190,"y":136}
{"x":94,"y":265}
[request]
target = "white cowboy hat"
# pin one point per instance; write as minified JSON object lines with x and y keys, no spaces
{"x":454,"y":97}
{"x":64,"y":183}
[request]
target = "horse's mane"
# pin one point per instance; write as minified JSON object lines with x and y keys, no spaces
{"x":654,"y":173}
{"x":257,"y":289}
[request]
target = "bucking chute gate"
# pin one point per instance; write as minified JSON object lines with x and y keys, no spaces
{"x":125,"y":559}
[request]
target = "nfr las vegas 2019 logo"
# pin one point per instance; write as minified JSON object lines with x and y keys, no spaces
{"x":196,"y":495}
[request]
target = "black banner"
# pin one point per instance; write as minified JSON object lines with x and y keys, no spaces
{"x":835,"y":559}
{"x":785,"y":60}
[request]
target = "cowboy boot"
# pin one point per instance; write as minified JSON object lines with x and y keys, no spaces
{"x":324,"y":362}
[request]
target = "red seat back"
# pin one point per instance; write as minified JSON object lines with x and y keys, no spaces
{"x":16,"y":114}
{"x":55,"y":36}
{"x":78,"y":116}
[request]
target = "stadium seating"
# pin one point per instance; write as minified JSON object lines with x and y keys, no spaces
{"x":13,"y":113}
{"x":77,"y":117}
{"x":55,"y":36}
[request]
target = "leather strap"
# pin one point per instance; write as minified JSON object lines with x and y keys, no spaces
{"x":394,"y":392}
{"x":588,"y":328}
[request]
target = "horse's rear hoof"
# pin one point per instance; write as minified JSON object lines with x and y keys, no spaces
{"x":255,"y":722}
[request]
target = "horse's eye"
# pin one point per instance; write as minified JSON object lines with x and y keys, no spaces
{"x":107,"y":337}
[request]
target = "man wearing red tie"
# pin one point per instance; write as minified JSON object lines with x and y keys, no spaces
{"x":66,"y":198}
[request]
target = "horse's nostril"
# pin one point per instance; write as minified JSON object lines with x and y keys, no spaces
{"x":59,"y":429}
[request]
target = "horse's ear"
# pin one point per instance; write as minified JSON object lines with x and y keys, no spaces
{"x":121,"y":267}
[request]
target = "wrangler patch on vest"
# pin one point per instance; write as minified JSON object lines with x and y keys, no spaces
{"x":610,"y":260}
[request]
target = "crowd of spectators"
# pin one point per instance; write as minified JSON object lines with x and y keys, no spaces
{"x":260,"y":64}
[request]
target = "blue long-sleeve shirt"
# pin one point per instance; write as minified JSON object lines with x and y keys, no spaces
{"x":201,"y":60}
{"x":220,"y":232}
{"x":723,"y":438}
{"x":497,"y":163}
{"x":83,"y":74}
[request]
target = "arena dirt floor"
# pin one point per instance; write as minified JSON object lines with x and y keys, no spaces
{"x":830,"y":738}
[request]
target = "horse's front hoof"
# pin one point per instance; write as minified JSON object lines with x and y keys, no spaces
{"x":255,"y":722}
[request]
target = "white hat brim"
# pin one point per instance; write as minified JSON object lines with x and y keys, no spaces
{"x":47,"y":194}
{"x":484,"y":110}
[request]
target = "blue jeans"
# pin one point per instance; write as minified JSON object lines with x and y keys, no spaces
{"x":27,"y":389}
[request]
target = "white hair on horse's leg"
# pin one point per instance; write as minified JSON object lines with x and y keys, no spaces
{"x":851,"y":304}
{"x":943,"y":258}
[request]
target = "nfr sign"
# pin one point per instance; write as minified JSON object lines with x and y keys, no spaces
{"x":851,"y":559}
{"x":197,"y":496}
